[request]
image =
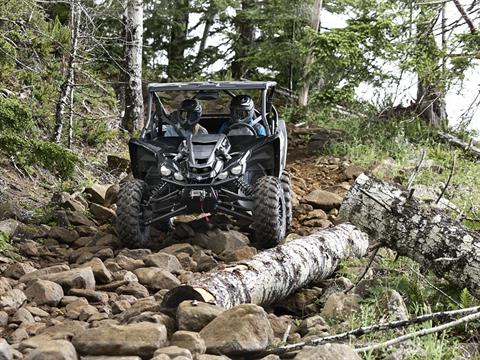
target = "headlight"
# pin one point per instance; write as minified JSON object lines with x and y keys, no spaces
{"x":222,"y":176}
{"x":165,"y":171}
{"x":237,"y":170}
{"x":178,"y":176}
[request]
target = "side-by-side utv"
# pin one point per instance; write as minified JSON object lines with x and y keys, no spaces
{"x":240,"y":175}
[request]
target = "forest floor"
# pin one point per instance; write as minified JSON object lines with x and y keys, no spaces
{"x":64,"y":276}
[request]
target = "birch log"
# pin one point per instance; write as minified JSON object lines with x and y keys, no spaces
{"x":275,"y":273}
{"x":420,"y":232}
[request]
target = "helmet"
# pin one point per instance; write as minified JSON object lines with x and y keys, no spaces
{"x":242,"y":109}
{"x":189,"y":113}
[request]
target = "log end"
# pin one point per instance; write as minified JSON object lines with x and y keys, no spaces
{"x":174,"y":297}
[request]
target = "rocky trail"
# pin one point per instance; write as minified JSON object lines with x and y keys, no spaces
{"x":69,"y":291}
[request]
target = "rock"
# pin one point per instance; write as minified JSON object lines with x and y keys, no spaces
{"x":156,"y":278}
{"x":111,"y":195}
{"x":187,"y":262}
{"x":188,"y":340}
{"x":112,"y":358}
{"x":81,"y":278}
{"x":22,"y":316}
{"x":220,"y":241}
{"x":5,"y":350}
{"x":120,"y":306}
{"x":128,"y":263}
{"x":78,"y":218}
{"x":65,"y":330}
{"x":163,"y":261}
{"x":133,"y":288}
{"x":394,"y":307}
{"x":9,"y":227}
{"x":96,"y":193}
{"x":80,"y":309}
{"x":328,"y":352}
{"x":41,"y":272}
{"x":53,"y":350}
{"x":138,"y":254}
{"x":324,"y":200}
{"x":280,"y":325}
{"x":194,"y":316}
{"x":302,"y":302}
{"x":100,"y":272}
{"x":13,"y":299}
{"x":18,"y":335}
{"x":172,"y":352}
{"x":179,"y":248}
{"x":244,"y":328}
{"x":10,"y":209}
{"x":29,"y":248}
{"x":102,"y":213}
{"x":3,"y":319}
{"x":316,"y":214}
{"x":351,"y":172}
{"x":17,"y":270}
{"x":211,"y":357}
{"x":35,"y":311}
{"x":140,"y":339}
{"x":91,"y":295}
{"x":243,"y":253}
{"x":340,"y":306}
{"x":44,"y":292}
{"x":63,"y":235}
{"x":313,"y":322}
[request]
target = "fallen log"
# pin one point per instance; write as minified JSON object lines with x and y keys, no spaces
{"x":273,"y":274}
{"x":413,"y":229}
{"x":468,"y":147}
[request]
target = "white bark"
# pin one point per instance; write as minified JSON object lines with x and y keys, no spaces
{"x":424,"y":234}
{"x":303,"y":96}
{"x":469,"y":147}
{"x":133,"y":116}
{"x":275,"y":273}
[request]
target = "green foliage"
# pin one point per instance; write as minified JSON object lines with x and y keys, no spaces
{"x":14,"y":115}
{"x":4,"y":241}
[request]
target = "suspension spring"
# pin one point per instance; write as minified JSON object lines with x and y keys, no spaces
{"x":244,"y":187}
{"x":159,"y":189}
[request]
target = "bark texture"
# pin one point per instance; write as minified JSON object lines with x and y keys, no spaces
{"x":424,"y":234}
{"x":275,"y":273}
{"x":133,"y":116}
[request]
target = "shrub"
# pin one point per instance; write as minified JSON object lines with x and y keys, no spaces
{"x":15,"y":116}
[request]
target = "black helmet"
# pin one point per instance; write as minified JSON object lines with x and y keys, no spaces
{"x":189,"y":113}
{"x":242,"y":109}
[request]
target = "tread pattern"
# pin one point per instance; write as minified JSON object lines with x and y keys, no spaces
{"x":269,"y":211}
{"x":129,"y":214}
{"x":286,"y":181}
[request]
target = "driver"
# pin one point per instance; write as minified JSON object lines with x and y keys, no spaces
{"x":242,"y":111}
{"x":185,"y":120}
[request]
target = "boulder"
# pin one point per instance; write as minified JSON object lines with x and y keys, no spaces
{"x":92,"y":296}
{"x":37,"y":274}
{"x":163,"y":261}
{"x":80,"y":309}
{"x":100,"y":272}
{"x":63,"y":235}
{"x":53,"y":350}
{"x":96,"y":193}
{"x":102,"y":213}
{"x":111,"y":195}
{"x":194,"y":316}
{"x":17,"y":270}
{"x":133,"y":288}
{"x":172,"y":352}
{"x":188,"y":340}
{"x":340,"y":306}
{"x":244,"y":328}
{"x":22,"y":315}
{"x":81,"y":278}
{"x":12,"y":299}
{"x":78,"y":218}
{"x":128,"y":263}
{"x":156,"y":278}
{"x":328,"y":352}
{"x":5,"y":350}
{"x":9,"y":227}
{"x":140,"y":339}
{"x":324,"y":200}
{"x":179,"y":248}
{"x":220,"y":241}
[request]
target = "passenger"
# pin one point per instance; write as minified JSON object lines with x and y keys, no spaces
{"x":186,"y":120}
{"x":242,"y":111}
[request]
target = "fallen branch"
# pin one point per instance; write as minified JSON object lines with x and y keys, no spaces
{"x":273,"y":274}
{"x":416,"y":230}
{"x":423,"y":332}
{"x":416,"y":171}
{"x":364,"y":330}
{"x":452,"y":170}
{"x":468,"y":147}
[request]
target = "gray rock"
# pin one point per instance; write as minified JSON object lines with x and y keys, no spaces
{"x":66,"y":329}
{"x":37,"y":274}
{"x":156,"y":278}
{"x":188,"y":340}
{"x":9,"y":227}
{"x":244,"y":328}
{"x":179,"y":248}
{"x":17,"y":270}
{"x":22,"y":315}
{"x":78,"y":218}
{"x":53,"y":350}
{"x":12,"y":298}
{"x":312,"y":322}
{"x":111,"y":358}
{"x":163,"y":261}
{"x":44,"y":292}
{"x":138,"y":254}
{"x":5,"y":350}
{"x":340,"y":306}
{"x":220,"y":241}
{"x":80,"y":309}
{"x":324,"y":200}
{"x":96,"y":193}
{"x":133,"y":288}
{"x":63,"y":235}
{"x":328,"y":352}
{"x":111,"y":195}
{"x":140,"y":339}
{"x":211,"y":357}
{"x":81,"y":278}
{"x":194,"y":316}
{"x":3,"y":319}
{"x":91,"y":295}
{"x":102,"y":213}
{"x":100,"y":272}
{"x":172,"y":352}
{"x":128,"y":263}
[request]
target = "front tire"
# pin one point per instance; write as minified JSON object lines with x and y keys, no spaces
{"x":269,"y":211}
{"x":131,"y":214}
{"x":286,"y":181}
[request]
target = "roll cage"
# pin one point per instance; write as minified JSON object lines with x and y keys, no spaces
{"x":268,"y":115}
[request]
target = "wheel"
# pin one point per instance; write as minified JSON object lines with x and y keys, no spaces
{"x":287,"y":193}
{"x":269,"y":211}
{"x":131,"y":214}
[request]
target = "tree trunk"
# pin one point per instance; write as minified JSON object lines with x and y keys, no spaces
{"x":303,"y":96}
{"x":424,"y":234}
{"x":209,"y":16}
{"x":178,"y":40}
{"x":246,"y":35}
{"x":133,"y":116}
{"x":65,"y":98}
{"x":275,"y":273}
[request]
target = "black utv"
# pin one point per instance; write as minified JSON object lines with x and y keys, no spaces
{"x":240,"y":174}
